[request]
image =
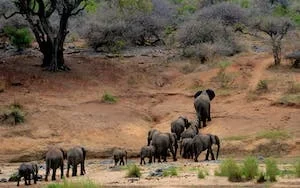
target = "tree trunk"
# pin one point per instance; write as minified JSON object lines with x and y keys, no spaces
{"x":277,"y":52}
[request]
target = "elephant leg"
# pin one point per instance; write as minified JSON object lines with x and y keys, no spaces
{"x":47,"y":172}
{"x":82,"y":169}
{"x":75,"y":167}
{"x":116,"y":162}
{"x":141,"y":163}
{"x":62,"y":170}
{"x":68,"y":169}
{"x":150,"y":159}
{"x":207,"y":154}
{"x":212,"y":154}
{"x":25,"y":180}
{"x":73,"y":170}
{"x":208,"y":115}
{"x":204,"y":121}
{"x":19,"y":178}
{"x":53,"y":174}
{"x":29,"y":179}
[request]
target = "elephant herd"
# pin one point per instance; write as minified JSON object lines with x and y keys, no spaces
{"x":184,"y":132}
{"x":159,"y":145}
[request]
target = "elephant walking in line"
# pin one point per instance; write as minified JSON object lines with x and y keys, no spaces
{"x":54,"y":160}
{"x":26,"y":170}
{"x":191,"y":132}
{"x":147,"y":151}
{"x":76,"y":156}
{"x":119,"y":155}
{"x":162,"y":142}
{"x":202,"y":142}
{"x":202,"y":105}
{"x":179,"y":125}
{"x":151,"y":134}
{"x":186,"y":150}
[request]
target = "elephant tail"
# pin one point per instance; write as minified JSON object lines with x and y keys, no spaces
{"x":218,"y":144}
{"x":126,"y":157}
{"x":83,"y":153}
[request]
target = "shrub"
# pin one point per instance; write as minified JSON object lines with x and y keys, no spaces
{"x":273,"y":135}
{"x":271,"y":169}
{"x":133,"y":171}
{"x":230,"y":169}
{"x":297,"y":168}
{"x":294,"y":88}
{"x":21,"y":38}
{"x":290,"y":99}
{"x":17,"y":114}
{"x":69,"y":184}
{"x":13,"y":114}
{"x":202,"y":173}
{"x":261,"y":178}
{"x":172,"y":171}
{"x":262,"y":86}
{"x":13,"y":177}
{"x":109,"y":98}
{"x":250,"y":168}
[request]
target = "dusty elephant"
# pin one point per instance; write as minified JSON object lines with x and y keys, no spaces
{"x":54,"y":160}
{"x":147,"y":151}
{"x":191,"y":132}
{"x":163,"y":142}
{"x":76,"y":156}
{"x":186,"y":149}
{"x":203,"y":142}
{"x":202,"y":105}
{"x":179,"y":125}
{"x":26,"y":170}
{"x":151,"y":134}
{"x":119,"y":155}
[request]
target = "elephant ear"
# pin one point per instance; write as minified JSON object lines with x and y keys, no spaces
{"x":211,"y":94}
{"x":197,"y":94}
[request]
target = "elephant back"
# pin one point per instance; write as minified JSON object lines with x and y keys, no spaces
{"x":161,"y":142}
{"x":54,"y":157}
{"x":75,"y":155}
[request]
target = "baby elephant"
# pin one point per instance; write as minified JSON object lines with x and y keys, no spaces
{"x":119,"y":155}
{"x":147,"y":151}
{"x":76,"y":156}
{"x":26,"y":170}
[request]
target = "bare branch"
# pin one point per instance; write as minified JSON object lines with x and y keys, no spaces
{"x":79,"y":10}
{"x":13,"y":14}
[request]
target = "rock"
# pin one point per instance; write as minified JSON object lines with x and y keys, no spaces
{"x":131,"y":180}
{"x":3,"y":180}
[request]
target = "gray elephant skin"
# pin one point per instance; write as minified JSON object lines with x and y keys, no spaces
{"x":202,"y":142}
{"x":147,"y":152}
{"x":163,"y":142}
{"x":26,"y":170}
{"x":202,"y":105}
{"x":190,"y":132}
{"x":119,"y":155}
{"x":76,"y":156}
{"x":151,"y":134}
{"x":179,"y":125}
{"x":186,"y":149}
{"x":54,"y":160}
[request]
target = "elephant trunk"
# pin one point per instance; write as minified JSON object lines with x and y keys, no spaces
{"x":218,"y":144}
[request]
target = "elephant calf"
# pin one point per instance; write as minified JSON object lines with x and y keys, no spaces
{"x":54,"y":160}
{"x":186,"y":149}
{"x":119,"y":155}
{"x":26,"y":170}
{"x":191,"y":132}
{"x":179,"y":125}
{"x":76,"y":156}
{"x":147,"y":151}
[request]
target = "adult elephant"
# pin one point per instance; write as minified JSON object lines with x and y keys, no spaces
{"x":163,"y":142}
{"x":179,"y":125}
{"x":54,"y":160}
{"x":202,"y":105}
{"x":202,"y":142}
{"x":191,"y":132}
{"x":76,"y":156}
{"x":151,"y":134}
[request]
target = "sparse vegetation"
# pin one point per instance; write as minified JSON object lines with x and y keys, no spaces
{"x":21,"y":38}
{"x":133,"y":171}
{"x":241,"y":137}
{"x":230,"y":169}
{"x":70,"y":184}
{"x":273,"y":135}
{"x":261,"y":178}
{"x":202,"y":173}
{"x":262,"y":86}
{"x":13,"y":114}
{"x":109,"y":98}
{"x":271,"y":169}
{"x":250,"y":168}
{"x":297,"y":168}
{"x":171,"y":171}
{"x":13,"y":177}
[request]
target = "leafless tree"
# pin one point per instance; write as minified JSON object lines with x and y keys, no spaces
{"x":49,"y":36}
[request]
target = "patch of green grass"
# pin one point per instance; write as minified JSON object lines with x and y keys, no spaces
{"x":238,"y":137}
{"x":13,"y":114}
{"x":250,"y":168}
{"x":294,"y":88}
{"x":261,"y":178}
{"x":109,"y":98}
{"x":271,"y":169}
{"x":202,"y":173}
{"x":230,"y":169}
{"x":77,"y":184}
{"x":290,"y":99}
{"x":13,"y":177}
{"x":133,"y":171}
{"x":224,"y":64}
{"x":273,"y":135}
{"x":223,"y":92}
{"x":297,"y":168}
{"x":172,"y":171}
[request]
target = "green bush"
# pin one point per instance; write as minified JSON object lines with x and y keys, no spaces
{"x":109,"y":98}
{"x":13,"y":177}
{"x":202,"y":173}
{"x":271,"y":169}
{"x":68,"y":184}
{"x":297,"y":168}
{"x":172,"y":171}
{"x":134,"y":171}
{"x":250,"y":168}
{"x":230,"y":169}
{"x":21,"y":38}
{"x":261,"y":178}
{"x":262,"y":86}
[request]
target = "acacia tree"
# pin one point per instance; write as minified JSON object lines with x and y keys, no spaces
{"x":276,"y":29}
{"x":49,"y":37}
